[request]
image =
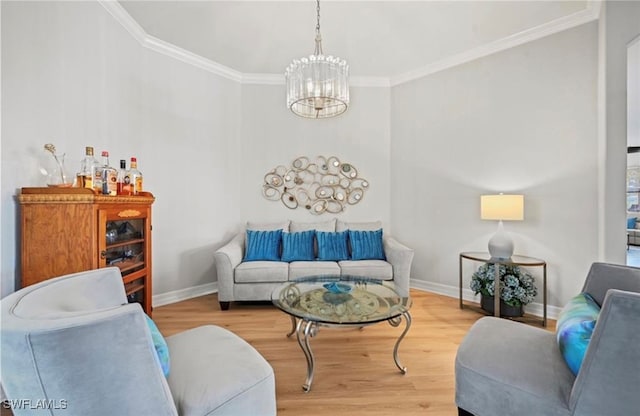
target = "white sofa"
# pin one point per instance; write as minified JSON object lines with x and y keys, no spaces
{"x":255,"y":280}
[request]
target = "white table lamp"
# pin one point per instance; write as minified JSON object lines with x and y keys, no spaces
{"x":501,"y":208}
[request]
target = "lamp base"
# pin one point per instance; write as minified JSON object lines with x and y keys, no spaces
{"x":501,"y":245}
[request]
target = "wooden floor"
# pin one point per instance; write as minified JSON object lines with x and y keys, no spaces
{"x":355,"y":373}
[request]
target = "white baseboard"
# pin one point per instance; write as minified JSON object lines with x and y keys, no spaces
{"x":184,"y":294}
{"x":534,"y":308}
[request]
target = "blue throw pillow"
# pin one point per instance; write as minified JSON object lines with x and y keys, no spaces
{"x":298,"y":246}
{"x":574,"y":328}
{"x":366,"y":245}
{"x":263,"y":245}
{"x":631,"y":223}
{"x":332,"y":246}
{"x":160,"y":345}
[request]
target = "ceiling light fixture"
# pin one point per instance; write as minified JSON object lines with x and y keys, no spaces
{"x":318,"y":86}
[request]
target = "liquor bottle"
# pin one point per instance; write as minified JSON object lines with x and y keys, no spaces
{"x":134,"y":177}
{"x":109,"y":176}
{"x":123,"y":187}
{"x":89,"y":168}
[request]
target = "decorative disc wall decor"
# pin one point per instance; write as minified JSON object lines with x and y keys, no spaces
{"x":321,"y":185}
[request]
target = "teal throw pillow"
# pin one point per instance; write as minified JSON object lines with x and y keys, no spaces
{"x":631,"y":223}
{"x":298,"y":246}
{"x":332,"y":246}
{"x":574,"y":328}
{"x":263,"y":245}
{"x":160,"y":345}
{"x":366,"y":245}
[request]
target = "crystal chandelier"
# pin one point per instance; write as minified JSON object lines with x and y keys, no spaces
{"x":318,"y":86}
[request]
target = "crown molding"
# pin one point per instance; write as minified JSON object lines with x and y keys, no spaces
{"x":176,"y":52}
{"x":124,"y":18}
{"x":168,"y":49}
{"x":591,"y":13}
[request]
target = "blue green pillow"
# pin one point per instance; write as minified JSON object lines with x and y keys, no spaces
{"x":574,"y":328}
{"x":263,"y":245}
{"x":298,"y":246}
{"x":332,"y":246}
{"x":366,"y":245}
{"x":631,"y":223}
{"x":160,"y":345}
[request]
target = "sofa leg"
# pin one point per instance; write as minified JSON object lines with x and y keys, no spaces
{"x":224,"y":306}
{"x":462,"y":412}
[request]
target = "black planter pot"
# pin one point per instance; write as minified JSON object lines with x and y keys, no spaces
{"x":486,"y":303}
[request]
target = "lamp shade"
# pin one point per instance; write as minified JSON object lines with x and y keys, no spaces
{"x":502,"y":207}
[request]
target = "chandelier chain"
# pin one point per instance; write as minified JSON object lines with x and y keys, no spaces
{"x":318,"y":50}
{"x":318,"y":17}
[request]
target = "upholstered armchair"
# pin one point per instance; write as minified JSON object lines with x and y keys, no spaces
{"x":508,"y":368}
{"x":74,"y":346}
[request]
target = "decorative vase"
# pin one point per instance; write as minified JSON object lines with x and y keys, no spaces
{"x":53,"y":168}
{"x":486,"y":303}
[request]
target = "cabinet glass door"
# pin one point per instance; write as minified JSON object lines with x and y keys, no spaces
{"x":124,"y":243}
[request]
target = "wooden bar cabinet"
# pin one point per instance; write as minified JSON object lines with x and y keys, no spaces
{"x":69,"y":230}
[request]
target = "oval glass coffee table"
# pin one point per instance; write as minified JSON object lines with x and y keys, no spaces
{"x":340,"y":301}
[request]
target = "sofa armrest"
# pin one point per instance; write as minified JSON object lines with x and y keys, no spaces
{"x":608,"y":380}
{"x":400,"y":258}
{"x":227,"y":258}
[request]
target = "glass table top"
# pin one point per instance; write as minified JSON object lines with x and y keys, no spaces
{"x":340,"y":299}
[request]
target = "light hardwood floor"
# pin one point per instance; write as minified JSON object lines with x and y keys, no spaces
{"x":355,"y":373}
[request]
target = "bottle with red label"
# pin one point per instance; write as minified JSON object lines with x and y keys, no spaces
{"x":123,"y":187}
{"x":134,"y":178}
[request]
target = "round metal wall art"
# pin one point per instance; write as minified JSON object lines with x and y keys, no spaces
{"x":319,"y":186}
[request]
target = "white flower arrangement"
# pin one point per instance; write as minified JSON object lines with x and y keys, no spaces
{"x":517,"y":286}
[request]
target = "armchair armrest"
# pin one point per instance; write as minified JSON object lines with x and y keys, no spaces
{"x":608,"y":380}
{"x":604,"y":276}
{"x":400,"y":258}
{"x":227,"y":258}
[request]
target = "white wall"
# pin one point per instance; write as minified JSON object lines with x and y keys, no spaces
{"x":272,"y":136}
{"x":633,"y":93}
{"x":522,"y":121}
{"x":71,"y":75}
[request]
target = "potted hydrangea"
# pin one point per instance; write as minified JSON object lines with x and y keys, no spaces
{"x":517,"y":288}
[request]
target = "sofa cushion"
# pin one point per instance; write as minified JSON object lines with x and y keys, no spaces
{"x":631,"y":223}
{"x":268,"y":226}
{"x":575,"y":327}
{"x":298,"y":246}
{"x":160,"y":345}
{"x":366,"y":245}
{"x":261,"y":272}
{"x":263,"y":245}
{"x":326,"y":226}
{"x":377,"y":269}
{"x":360,"y":226}
{"x":313,"y":268}
{"x":332,"y":246}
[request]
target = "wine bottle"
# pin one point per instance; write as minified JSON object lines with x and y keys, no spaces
{"x":109,"y":176}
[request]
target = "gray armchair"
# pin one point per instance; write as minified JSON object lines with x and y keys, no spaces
{"x":74,"y":346}
{"x":508,"y":368}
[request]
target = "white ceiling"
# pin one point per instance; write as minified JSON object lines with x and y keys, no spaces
{"x":377,"y":38}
